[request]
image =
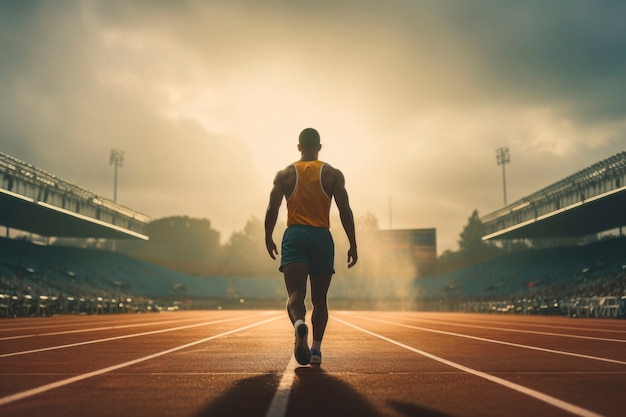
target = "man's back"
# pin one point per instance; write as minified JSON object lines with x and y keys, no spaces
{"x":287,"y":179}
{"x":309,"y":203}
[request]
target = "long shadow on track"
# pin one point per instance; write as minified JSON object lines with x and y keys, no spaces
{"x":316,"y":393}
{"x":247,"y":397}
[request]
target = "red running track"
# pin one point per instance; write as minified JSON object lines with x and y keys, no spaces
{"x":239,"y":363}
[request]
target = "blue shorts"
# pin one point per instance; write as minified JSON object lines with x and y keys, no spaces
{"x":309,"y":245}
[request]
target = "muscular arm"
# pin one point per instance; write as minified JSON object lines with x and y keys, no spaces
{"x":345,"y":213}
{"x":271,"y":214}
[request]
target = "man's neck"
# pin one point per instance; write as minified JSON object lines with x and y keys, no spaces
{"x":308,"y":157}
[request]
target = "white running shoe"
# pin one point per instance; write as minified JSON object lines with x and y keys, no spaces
{"x":301,"y":346}
{"x":316,"y":357}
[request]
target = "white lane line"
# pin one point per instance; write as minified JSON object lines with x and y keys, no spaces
{"x":97,"y":329}
{"x":58,"y":384}
{"x":53,"y":324}
{"x":563,"y":405}
{"x":109,"y":339}
{"x":476,"y":326}
{"x":278,"y":406}
{"x":548,"y":326}
{"x":482,"y":339}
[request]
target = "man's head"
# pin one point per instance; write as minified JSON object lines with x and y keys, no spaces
{"x":309,"y":140}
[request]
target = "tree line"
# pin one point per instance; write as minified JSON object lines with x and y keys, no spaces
{"x":193,"y":246}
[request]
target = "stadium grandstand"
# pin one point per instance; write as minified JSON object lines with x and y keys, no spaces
{"x":40,"y":204}
{"x":41,"y":278}
{"x":586,"y":277}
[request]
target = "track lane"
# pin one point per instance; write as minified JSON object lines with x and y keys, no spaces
{"x":590,"y":382}
{"x":508,"y":343}
{"x":579,"y":325}
{"x":26,"y":371}
{"x":540,"y":396}
{"x":564,"y":331}
{"x":115,"y":336}
{"x":57,"y":384}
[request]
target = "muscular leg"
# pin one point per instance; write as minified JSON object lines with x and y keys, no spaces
{"x":319,"y":316}
{"x":295,"y":282}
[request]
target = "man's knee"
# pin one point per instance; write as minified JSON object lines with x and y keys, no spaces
{"x":319,"y":301}
{"x":297,"y":296}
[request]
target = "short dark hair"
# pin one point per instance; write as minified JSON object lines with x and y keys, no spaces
{"x":309,"y":138}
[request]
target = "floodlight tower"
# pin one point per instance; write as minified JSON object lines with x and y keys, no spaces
{"x":117,"y":160}
{"x":503,"y":157}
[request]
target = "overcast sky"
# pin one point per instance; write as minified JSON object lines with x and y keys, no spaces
{"x":411,"y":98}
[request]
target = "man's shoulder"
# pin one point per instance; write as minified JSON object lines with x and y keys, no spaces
{"x":329,"y":169}
{"x":286,"y":170}
{"x":328,"y":166}
{"x":285,"y":173}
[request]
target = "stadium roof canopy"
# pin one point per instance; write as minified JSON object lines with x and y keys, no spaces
{"x":608,"y":212}
{"x":587,"y":202}
{"x":47,"y":220}
{"x":36,"y":201}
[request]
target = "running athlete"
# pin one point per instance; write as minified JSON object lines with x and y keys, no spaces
{"x":308,"y":250}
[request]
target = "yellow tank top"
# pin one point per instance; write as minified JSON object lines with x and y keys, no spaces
{"x":309,"y":204}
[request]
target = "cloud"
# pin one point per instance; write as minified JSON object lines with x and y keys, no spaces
{"x":411,"y":98}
